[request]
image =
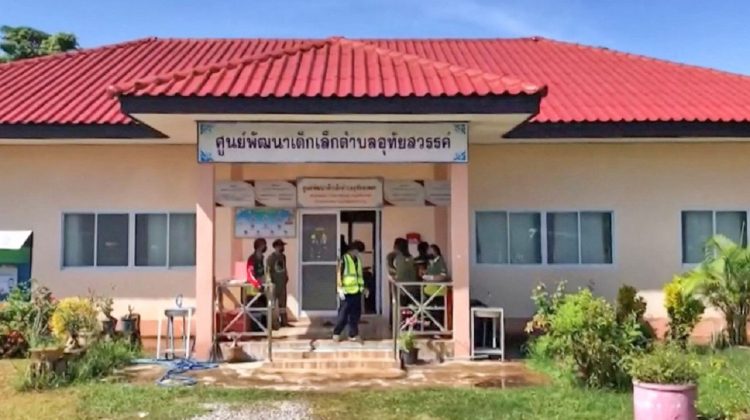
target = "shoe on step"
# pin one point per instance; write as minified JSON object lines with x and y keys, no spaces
{"x":336,"y":338}
{"x":356,"y":339}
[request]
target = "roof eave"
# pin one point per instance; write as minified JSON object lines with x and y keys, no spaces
{"x":630,"y":129}
{"x":79,"y":131}
{"x":490,"y":104}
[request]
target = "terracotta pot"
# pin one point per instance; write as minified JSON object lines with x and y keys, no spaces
{"x":659,"y":401}
{"x":47,"y":354}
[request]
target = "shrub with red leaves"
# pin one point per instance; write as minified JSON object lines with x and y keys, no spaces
{"x":12,"y":344}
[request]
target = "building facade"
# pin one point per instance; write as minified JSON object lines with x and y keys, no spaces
{"x":579,"y":164}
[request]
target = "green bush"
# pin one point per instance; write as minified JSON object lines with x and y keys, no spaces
{"x":723,"y":281}
{"x":683,"y":309}
{"x":630,"y":306}
{"x":665,"y":364}
{"x":546,"y":305}
{"x":584,"y":334}
{"x":102,"y":359}
{"x":17,"y":312}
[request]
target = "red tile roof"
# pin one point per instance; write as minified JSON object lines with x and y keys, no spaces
{"x":335,"y":67}
{"x":585,"y":84}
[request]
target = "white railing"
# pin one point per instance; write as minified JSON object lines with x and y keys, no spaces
{"x":416,"y":311}
{"x":250,"y":311}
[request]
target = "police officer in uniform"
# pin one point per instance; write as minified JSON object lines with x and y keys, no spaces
{"x":350,"y":284}
{"x":276,"y":266}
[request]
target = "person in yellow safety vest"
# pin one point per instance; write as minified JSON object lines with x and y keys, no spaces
{"x":350,"y":285}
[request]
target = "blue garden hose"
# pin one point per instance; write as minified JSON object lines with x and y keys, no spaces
{"x":176,"y":369}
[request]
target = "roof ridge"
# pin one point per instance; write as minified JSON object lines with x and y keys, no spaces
{"x":76,"y":52}
{"x":381,"y":50}
{"x":122,"y":87}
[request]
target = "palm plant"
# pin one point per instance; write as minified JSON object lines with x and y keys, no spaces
{"x":723,"y":280}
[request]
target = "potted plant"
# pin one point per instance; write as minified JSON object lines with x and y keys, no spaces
{"x":128,"y":321}
{"x":664,"y":384}
{"x":131,"y":327}
{"x":73,"y":318}
{"x":42,"y":344}
{"x":407,"y":344}
{"x":109,"y":323}
{"x":45,"y":348}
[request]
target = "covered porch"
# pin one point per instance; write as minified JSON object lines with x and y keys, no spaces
{"x":311,"y":302}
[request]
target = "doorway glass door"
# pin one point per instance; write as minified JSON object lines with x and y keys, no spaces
{"x":320,"y":251}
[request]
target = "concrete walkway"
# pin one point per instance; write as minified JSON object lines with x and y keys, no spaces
{"x":449,"y":374}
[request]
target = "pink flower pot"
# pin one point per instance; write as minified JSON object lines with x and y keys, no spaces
{"x":663,"y":402}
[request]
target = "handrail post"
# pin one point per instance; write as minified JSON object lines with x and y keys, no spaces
{"x":269,"y":319}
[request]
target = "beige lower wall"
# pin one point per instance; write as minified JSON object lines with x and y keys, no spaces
{"x":39,"y":183}
{"x":645,"y":185}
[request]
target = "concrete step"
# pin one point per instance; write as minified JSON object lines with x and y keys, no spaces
{"x":327,"y":376}
{"x":334,"y":354}
{"x":317,"y":365}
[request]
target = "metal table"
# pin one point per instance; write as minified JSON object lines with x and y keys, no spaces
{"x":496,"y":346}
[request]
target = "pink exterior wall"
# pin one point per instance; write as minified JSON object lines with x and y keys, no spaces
{"x":646,"y":185}
{"x":39,"y":183}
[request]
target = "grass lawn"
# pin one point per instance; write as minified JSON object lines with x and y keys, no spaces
{"x":725,"y":388}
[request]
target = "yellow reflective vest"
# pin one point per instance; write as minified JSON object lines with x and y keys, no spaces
{"x":352,"y":280}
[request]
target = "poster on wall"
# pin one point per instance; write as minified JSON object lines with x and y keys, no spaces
{"x":332,"y":142}
{"x":264,"y":223}
{"x":404,"y":193}
{"x":417,"y":193}
{"x":234,"y":194}
{"x":340,"y":193}
{"x":276,"y":194}
{"x":437,"y":193}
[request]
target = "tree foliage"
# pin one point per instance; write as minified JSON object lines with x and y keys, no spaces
{"x":723,"y":280}
{"x":19,"y":42}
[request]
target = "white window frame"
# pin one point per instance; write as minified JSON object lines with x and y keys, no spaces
{"x":543,"y":242}
{"x":131,"y":240}
{"x":713,"y":229}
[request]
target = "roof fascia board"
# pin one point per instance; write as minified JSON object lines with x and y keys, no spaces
{"x":78,"y":131}
{"x":634,"y":129}
{"x":522,"y":104}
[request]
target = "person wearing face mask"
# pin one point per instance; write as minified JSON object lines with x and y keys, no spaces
{"x":256,"y":269}
{"x":350,"y":285}
{"x":437,"y":272}
{"x":276,"y":264}
{"x":256,"y":279}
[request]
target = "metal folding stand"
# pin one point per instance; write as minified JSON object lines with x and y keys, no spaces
{"x":186,"y":314}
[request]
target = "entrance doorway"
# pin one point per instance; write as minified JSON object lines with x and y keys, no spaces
{"x":363,"y":225}
{"x":324,"y":236}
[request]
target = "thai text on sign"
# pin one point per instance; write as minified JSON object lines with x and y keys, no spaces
{"x":355,"y":142}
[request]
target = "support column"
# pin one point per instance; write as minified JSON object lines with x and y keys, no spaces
{"x":204,"y":261}
{"x":441,"y":214}
{"x":459,"y":239}
{"x":236,"y":249}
